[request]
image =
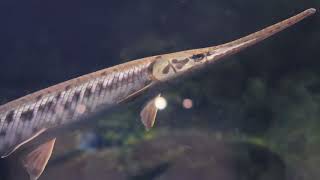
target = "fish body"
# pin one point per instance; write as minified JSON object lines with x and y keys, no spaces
{"x":24,"y":119}
{"x":69,"y":101}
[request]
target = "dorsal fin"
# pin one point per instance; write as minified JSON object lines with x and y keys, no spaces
{"x":36,"y":160}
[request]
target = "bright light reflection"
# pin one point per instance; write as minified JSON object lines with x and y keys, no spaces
{"x":160,"y":102}
{"x":187,"y":103}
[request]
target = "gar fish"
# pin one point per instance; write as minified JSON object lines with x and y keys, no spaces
{"x":26,"y":119}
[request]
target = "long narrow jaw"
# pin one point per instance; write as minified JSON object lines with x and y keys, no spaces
{"x":172,"y":65}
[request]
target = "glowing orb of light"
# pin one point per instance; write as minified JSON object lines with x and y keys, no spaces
{"x":160,"y":102}
{"x":81,"y":108}
{"x":187,"y":103}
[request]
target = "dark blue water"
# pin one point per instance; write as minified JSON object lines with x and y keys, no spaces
{"x":254,"y":116}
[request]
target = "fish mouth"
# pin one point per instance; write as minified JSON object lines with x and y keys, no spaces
{"x":214,"y":53}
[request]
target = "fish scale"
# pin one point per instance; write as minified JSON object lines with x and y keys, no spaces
{"x":57,"y":111}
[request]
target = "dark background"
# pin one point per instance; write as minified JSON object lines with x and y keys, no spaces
{"x":255,"y":116}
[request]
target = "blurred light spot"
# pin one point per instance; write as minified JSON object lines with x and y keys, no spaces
{"x":160,"y":102}
{"x":187,"y":103}
{"x":80,"y":108}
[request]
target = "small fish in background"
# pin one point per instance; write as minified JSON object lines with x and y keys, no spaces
{"x":40,"y":117}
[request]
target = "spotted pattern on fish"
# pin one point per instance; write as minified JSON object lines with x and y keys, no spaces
{"x":58,"y":108}
{"x":9,"y":117}
{"x":166,"y":69}
{"x":181,"y":63}
{"x":198,"y":57}
{"x":27,"y":115}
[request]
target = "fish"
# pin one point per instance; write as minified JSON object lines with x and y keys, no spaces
{"x":26,"y":119}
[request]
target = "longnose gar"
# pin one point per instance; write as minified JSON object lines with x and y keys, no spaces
{"x":24,"y":119}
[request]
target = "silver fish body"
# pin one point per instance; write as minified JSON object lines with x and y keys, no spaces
{"x":69,"y":101}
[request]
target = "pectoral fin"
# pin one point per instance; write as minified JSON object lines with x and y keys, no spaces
{"x":149,"y":113}
{"x":36,"y":160}
{"x":135,"y":94}
{"x":23,"y":142}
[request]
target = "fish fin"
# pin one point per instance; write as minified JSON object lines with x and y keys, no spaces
{"x":148,"y":113}
{"x":135,"y":94}
{"x":24,"y":142}
{"x":36,"y":161}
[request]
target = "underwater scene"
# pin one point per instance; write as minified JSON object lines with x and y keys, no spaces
{"x":160,"y":90}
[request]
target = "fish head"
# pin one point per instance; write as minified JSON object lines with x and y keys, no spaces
{"x":168,"y":67}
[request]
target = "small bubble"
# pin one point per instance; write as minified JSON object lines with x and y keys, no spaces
{"x":187,"y":103}
{"x":160,"y":103}
{"x":81,"y":108}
